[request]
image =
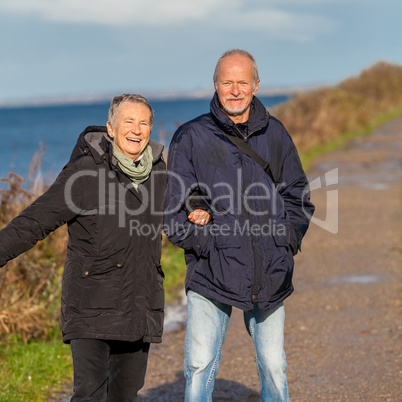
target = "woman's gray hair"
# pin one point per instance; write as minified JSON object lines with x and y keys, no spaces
{"x":117,"y":101}
{"x":236,"y":52}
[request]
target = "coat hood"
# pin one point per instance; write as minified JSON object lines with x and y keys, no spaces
{"x":95,"y":140}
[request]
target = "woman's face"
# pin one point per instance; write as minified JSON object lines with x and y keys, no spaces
{"x":131,"y":129}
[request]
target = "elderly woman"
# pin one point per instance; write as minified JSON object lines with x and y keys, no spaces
{"x":110,"y":194}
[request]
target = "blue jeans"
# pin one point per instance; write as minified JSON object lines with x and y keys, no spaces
{"x":207,"y":322}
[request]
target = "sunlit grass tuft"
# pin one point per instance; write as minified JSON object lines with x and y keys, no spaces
{"x":174,"y":267}
{"x":34,"y":371}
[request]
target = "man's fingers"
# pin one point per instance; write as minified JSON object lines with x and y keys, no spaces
{"x":199,"y":217}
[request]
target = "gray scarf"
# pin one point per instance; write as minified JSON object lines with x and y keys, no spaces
{"x":138,"y":171}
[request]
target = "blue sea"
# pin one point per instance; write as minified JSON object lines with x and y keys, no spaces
{"x":55,"y":129}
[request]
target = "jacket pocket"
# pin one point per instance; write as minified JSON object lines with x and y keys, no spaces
{"x":155,"y":291}
{"x":226,"y":269}
{"x":101,"y":284}
{"x":281,"y":271}
{"x":155,"y":303}
{"x":223,"y":242}
{"x":281,"y":233}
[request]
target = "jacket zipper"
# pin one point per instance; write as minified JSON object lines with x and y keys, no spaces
{"x":258,"y":270}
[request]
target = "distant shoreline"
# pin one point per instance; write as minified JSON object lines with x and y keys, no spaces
{"x":152,"y":96}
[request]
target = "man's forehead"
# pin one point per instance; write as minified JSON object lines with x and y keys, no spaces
{"x":236,"y":59}
{"x":236,"y":63}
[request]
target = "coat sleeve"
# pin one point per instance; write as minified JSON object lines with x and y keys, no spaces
{"x":182,"y":182}
{"x":295,"y":192}
{"x":58,"y":205}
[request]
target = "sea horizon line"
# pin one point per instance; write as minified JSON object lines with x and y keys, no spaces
{"x":150,"y":95}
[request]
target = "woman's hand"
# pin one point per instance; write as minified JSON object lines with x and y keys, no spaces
{"x":199,"y":217}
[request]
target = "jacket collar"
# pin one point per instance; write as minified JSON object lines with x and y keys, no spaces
{"x":95,"y":140}
{"x":258,"y":118}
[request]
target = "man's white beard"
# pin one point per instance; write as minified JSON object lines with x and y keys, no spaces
{"x":235,"y":113}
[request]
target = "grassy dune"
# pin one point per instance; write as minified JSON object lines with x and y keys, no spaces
{"x":322,"y":119}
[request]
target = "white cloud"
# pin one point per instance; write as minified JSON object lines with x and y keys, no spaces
{"x":286,"y":25}
{"x":230,"y":15}
{"x":115,"y":12}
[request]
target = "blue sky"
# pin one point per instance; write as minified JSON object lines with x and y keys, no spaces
{"x":73,"y":48}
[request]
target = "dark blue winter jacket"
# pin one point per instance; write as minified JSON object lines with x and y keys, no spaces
{"x":244,"y":255}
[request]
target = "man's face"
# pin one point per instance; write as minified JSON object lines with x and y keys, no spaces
{"x":235,"y":86}
{"x":131,"y":129}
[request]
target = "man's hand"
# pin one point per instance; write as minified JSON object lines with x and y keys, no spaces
{"x":199,"y":217}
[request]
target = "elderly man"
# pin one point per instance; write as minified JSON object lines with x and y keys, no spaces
{"x":237,"y":201}
{"x":112,"y":296}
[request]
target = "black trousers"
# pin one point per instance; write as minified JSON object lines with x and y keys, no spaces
{"x":112,"y":371}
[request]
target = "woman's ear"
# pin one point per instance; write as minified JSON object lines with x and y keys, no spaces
{"x":109,"y":130}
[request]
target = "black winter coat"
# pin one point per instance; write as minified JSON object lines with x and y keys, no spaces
{"x":244,"y":256}
{"x":112,"y":281}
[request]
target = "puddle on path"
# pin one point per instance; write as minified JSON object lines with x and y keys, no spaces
{"x":356,"y":279}
{"x":375,"y":176}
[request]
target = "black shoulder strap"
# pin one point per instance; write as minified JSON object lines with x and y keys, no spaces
{"x":250,"y":152}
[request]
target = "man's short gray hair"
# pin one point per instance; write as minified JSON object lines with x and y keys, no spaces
{"x":117,"y":101}
{"x":236,"y":52}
